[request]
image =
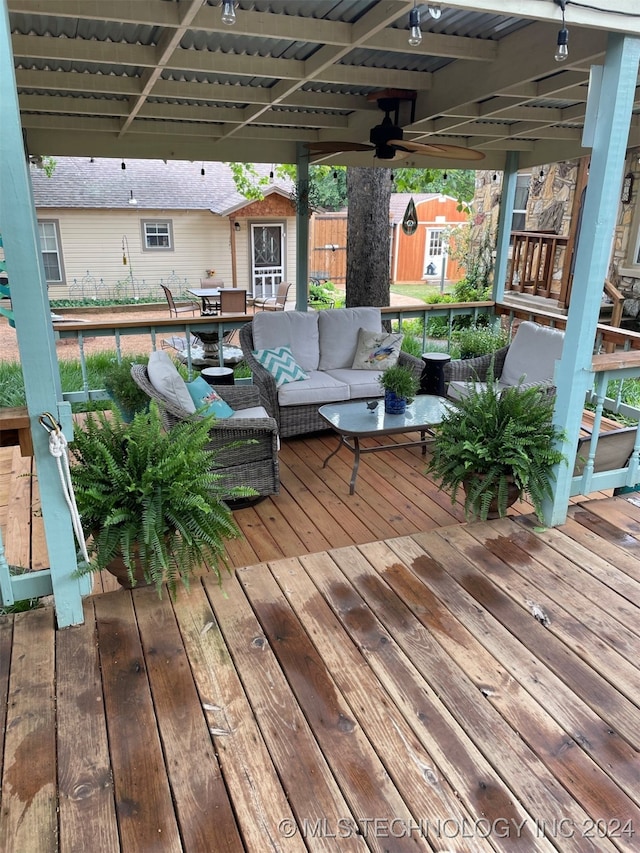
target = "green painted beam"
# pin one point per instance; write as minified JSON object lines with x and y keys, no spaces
{"x":573,"y":373}
{"x":30,"y":302}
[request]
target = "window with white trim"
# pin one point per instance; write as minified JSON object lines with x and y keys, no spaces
{"x":50,"y":248}
{"x":520,"y":202}
{"x":157,"y":234}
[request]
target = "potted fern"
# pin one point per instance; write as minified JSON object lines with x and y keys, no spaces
{"x":495,"y":445}
{"x":400,"y":385}
{"x":150,"y":499}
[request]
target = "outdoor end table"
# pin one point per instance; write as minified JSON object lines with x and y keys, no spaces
{"x":355,"y":420}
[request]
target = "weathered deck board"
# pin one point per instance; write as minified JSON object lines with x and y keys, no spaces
{"x":85,"y":786}
{"x":405,"y":684}
{"x":29,"y":792}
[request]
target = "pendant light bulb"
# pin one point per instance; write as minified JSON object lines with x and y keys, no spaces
{"x":132,"y":199}
{"x":123,"y":165}
{"x":562,"y":48}
{"x":434,"y":10}
{"x":228,"y":12}
{"x":415,"y":33}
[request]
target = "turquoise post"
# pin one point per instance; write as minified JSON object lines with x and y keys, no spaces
{"x":573,"y":372}
{"x":302,"y":228}
{"x":505,"y":217}
{"x":19,"y":229}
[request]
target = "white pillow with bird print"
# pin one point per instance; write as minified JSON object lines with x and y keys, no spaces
{"x":376,"y":350}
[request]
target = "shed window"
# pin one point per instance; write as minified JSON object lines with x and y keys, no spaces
{"x":157,"y":234}
{"x":50,"y":247}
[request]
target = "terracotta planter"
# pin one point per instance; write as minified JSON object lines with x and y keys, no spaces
{"x":118,"y":569}
{"x":394,"y":405}
{"x":513,"y":493}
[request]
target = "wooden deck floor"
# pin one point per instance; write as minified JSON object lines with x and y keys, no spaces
{"x":434,"y":686}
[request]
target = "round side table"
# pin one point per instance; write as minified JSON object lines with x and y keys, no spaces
{"x":432,"y":379}
{"x":218,"y":375}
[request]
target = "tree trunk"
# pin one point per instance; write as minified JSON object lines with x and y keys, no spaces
{"x":368,"y":236}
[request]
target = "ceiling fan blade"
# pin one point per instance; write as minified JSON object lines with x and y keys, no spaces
{"x":435,"y":149}
{"x":336,"y":147}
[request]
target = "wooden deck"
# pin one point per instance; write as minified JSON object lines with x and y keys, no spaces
{"x":430,"y":685}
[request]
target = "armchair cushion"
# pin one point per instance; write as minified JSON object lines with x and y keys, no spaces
{"x":532,"y":354}
{"x":164,"y":376}
{"x":203,"y":395}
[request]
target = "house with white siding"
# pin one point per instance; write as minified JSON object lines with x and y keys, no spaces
{"x":110,"y":227}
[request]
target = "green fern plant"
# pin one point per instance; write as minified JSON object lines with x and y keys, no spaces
{"x":151,"y":497}
{"x":492,"y":436}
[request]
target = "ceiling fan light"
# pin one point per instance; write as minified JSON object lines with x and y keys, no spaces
{"x":434,"y":10}
{"x":415,"y":33}
{"x":228,"y":12}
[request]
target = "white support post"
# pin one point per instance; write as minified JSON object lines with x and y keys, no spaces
{"x":30,"y":303}
{"x":302,"y":229}
{"x":573,"y":371}
{"x":505,"y":218}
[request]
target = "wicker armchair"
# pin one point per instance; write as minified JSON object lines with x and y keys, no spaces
{"x":252,"y":463}
{"x":529,"y":360}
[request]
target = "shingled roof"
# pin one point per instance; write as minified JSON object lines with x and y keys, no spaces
{"x":83,"y":182}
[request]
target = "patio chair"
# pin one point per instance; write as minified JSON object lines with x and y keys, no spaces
{"x":175,"y":310}
{"x":253,"y":461}
{"x":274,"y":303}
{"x":528,"y":360}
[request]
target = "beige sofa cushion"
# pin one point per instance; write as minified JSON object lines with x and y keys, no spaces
{"x":297,"y":330}
{"x":338,"y":332}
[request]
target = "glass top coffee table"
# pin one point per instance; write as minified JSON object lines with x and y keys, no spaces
{"x":358,"y":419}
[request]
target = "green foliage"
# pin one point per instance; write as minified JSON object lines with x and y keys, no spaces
{"x":476,"y":256}
{"x":152,"y":497}
{"x":401,"y":380}
{"x":492,"y":435}
{"x":480,"y":340}
{"x":89,"y":302}
{"x":119,"y":383}
{"x":247,"y":180}
{"x":457,"y":183}
{"x":412,"y":344}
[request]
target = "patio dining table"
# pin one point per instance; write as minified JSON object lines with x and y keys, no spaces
{"x":208,"y":296}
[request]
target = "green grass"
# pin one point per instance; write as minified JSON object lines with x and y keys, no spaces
{"x":12,"y":383}
{"x":418,"y":291}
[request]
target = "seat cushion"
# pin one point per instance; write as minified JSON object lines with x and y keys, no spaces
{"x":319,"y":388}
{"x":459,"y":389}
{"x":338,"y":334}
{"x":297,"y":330}
{"x":361,"y":383}
{"x":532,"y":355}
{"x":164,"y":376}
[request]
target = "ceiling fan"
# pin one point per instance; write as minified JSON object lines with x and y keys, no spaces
{"x":387,"y":138}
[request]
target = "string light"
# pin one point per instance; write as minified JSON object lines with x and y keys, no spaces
{"x":228,"y":12}
{"x":132,"y":199}
{"x":562,"y":46}
{"x":434,"y":10}
{"x":415,"y":33}
{"x":123,"y":165}
{"x":202,"y":171}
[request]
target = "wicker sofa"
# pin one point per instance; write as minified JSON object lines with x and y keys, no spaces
{"x":324,"y":344}
{"x":253,"y":458}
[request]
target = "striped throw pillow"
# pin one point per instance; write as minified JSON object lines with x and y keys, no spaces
{"x":281,"y":364}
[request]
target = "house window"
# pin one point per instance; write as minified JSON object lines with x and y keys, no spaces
{"x":520,"y":202}
{"x":50,"y":247}
{"x":157,"y":234}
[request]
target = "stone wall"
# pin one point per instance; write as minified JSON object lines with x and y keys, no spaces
{"x":629,"y":285}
